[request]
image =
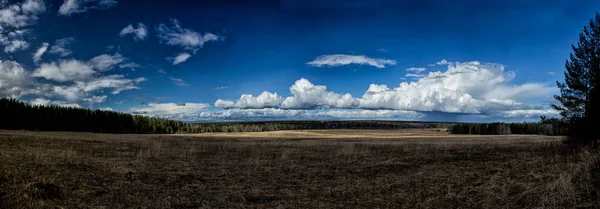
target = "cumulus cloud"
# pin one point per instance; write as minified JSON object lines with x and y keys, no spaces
{"x":171,"y":110}
{"x":464,"y":88}
{"x":106,"y":62}
{"x":442,"y":62}
{"x":106,"y":109}
{"x":179,"y":82}
{"x":95,"y":99}
{"x":416,"y":69}
{"x":15,"y":16}
{"x":45,"y":102}
{"x":263,"y":100}
{"x":334,"y":60}
{"x":308,"y":96}
{"x":21,"y":15}
{"x":14,"y":80}
{"x":183,"y":37}
{"x":138,"y":33}
{"x":65,"y":70}
{"x":60,"y":45}
{"x":64,"y":83}
{"x":70,"y":7}
{"x":181,"y":57}
{"x":37,"y":56}
{"x":200,"y":112}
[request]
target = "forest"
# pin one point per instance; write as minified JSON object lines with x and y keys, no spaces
{"x":545,"y":127}
{"x":19,"y":115}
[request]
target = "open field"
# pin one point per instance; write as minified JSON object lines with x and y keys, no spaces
{"x":292,"y":169}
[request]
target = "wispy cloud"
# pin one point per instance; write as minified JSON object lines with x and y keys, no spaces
{"x":220,"y":88}
{"x":179,"y":82}
{"x":138,"y":33}
{"x":416,"y":69}
{"x":413,"y":75}
{"x":334,"y":60}
{"x":37,"y":56}
{"x":181,"y":57}
{"x":60,"y":45}
{"x":183,"y":37}
{"x":70,"y":7}
{"x":149,"y":98}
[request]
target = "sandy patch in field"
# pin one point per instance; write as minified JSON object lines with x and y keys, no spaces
{"x":357,"y":134}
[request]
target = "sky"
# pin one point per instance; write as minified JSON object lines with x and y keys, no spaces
{"x":467,"y":61}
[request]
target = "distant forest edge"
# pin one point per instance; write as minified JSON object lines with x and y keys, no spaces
{"x":19,"y":115}
{"x":551,"y":127}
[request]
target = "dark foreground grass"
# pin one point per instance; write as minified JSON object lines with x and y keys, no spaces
{"x":81,"y":170}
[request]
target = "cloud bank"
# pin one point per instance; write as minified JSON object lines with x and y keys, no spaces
{"x":464,"y":88}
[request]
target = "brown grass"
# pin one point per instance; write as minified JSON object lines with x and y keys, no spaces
{"x":293,"y":169}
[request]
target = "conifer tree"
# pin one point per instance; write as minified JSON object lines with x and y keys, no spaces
{"x":579,"y":96}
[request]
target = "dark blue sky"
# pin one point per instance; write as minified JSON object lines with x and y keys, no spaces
{"x":259,"y":46}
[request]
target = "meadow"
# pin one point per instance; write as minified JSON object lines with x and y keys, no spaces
{"x":407,"y":168}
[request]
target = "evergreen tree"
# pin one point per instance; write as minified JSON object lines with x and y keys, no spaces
{"x":579,"y":96}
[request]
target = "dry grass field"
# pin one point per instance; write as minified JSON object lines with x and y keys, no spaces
{"x":293,"y":169}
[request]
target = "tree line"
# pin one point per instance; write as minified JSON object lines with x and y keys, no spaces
{"x":15,"y":114}
{"x":551,"y":127}
{"x":309,"y":125}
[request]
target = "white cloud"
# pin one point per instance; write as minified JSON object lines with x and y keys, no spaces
{"x":117,"y":83}
{"x":14,"y":80}
{"x":45,"y":102}
{"x":171,"y":110}
{"x":106,"y":109}
{"x":106,"y":62}
{"x":181,"y":57}
{"x":15,"y":45}
{"x":21,"y":15}
{"x":179,"y":82}
{"x":413,"y":75}
{"x":37,"y":56}
{"x":263,"y":100}
{"x":220,"y":88}
{"x":65,"y":70}
{"x":382,"y":50}
{"x":138,"y":33}
{"x":308,"y":96}
{"x":161,"y":71}
{"x":442,"y":62}
{"x":416,"y":69}
{"x":60,"y":45}
{"x":129,"y":65}
{"x":15,"y":16}
{"x":70,"y":80}
{"x":468,"y":88}
{"x":95,"y":99}
{"x":200,"y":112}
{"x":70,"y":7}
{"x":183,"y":37}
{"x":40,"y":102}
{"x":529,"y":113}
{"x":551,"y":73}
{"x":344,"y":59}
